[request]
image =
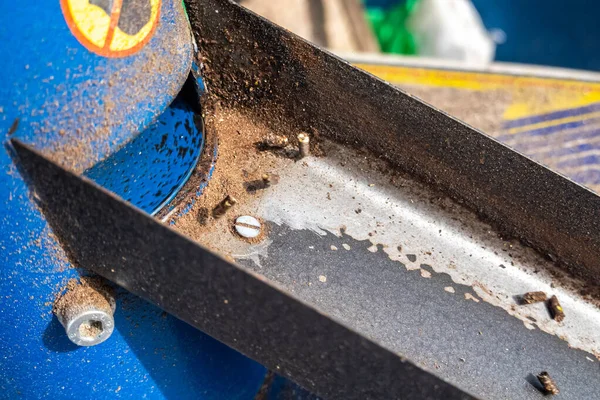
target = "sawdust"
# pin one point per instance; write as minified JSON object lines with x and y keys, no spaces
{"x":239,"y":164}
{"x":91,"y":330}
{"x":89,"y":292}
{"x":49,"y":241}
{"x":469,"y":296}
{"x":96,"y":125}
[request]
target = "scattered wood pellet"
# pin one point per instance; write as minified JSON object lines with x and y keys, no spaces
{"x":223,"y":206}
{"x":276,"y":141}
{"x":548,"y":383}
{"x":556,"y":310}
{"x":534,"y":297}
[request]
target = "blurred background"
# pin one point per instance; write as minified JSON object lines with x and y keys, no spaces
{"x":544,"y":32}
{"x":522,"y":71}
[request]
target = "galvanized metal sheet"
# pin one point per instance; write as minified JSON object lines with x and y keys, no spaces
{"x":420,"y":275}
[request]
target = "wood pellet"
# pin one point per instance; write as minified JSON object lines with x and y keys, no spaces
{"x":548,"y":383}
{"x":533,"y":297}
{"x":556,"y":310}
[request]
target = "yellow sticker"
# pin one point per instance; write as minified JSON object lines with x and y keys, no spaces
{"x":112,"y":28}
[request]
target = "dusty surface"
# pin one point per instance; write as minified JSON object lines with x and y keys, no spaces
{"x":266,"y":71}
{"x":481,"y":109}
{"x":242,"y":164}
{"x":100,"y":114}
{"x":238,"y":172}
{"x":240,"y":169}
{"x":89,"y":292}
{"x":90,"y":330}
{"x":365,"y":187}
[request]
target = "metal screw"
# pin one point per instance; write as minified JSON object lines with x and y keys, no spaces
{"x":304,"y":144}
{"x":90,"y":327}
{"x":86,"y":312}
{"x":247,"y":227}
{"x":269,"y":179}
{"x":266,"y":178}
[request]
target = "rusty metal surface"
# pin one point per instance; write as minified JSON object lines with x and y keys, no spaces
{"x":255,"y":65}
{"x":239,"y":308}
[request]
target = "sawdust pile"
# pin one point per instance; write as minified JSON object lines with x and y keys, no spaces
{"x":240,"y":166}
{"x":91,"y":292}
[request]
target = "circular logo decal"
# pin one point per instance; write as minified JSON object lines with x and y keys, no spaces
{"x":112,"y":28}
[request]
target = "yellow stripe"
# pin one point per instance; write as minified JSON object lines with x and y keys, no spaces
{"x":554,"y":122}
{"x":531,"y":95}
{"x":469,"y":80}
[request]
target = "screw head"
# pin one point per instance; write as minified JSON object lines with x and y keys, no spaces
{"x":90,"y":327}
{"x":303,"y":138}
{"x":247,"y":227}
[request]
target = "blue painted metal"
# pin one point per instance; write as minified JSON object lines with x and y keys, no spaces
{"x":534,"y":119}
{"x":200,"y":189}
{"x":196,"y":72}
{"x":67,"y":97}
{"x":47,"y":75}
{"x":150,"y":354}
{"x":149,"y":171}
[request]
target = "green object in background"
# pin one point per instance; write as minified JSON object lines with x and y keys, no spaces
{"x":390,"y":29}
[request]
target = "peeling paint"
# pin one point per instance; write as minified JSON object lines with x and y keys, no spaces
{"x":469,"y":296}
{"x":468,"y":250}
{"x":416,"y":228}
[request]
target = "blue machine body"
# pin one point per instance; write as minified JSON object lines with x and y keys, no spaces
{"x":149,"y":170}
{"x":107,"y":117}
